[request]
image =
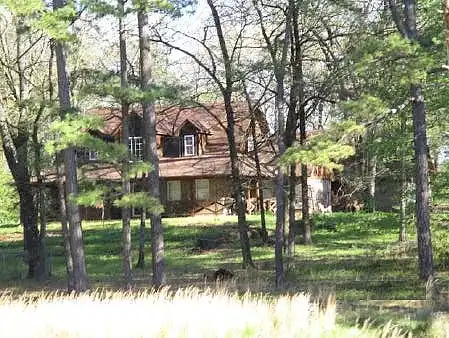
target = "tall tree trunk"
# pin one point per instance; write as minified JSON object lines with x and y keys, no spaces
{"x":426,"y":269}
{"x":307,"y":232}
{"x":150,"y":150}
{"x":409,"y":31}
{"x":64,"y":226}
{"x":235,"y":172}
{"x":296,"y":97}
{"x":372,"y":183}
{"x":403,"y":211}
{"x":43,"y":264}
{"x":71,"y":181}
{"x":291,"y":211}
{"x":15,"y":146}
{"x":260,"y":194}
{"x":247,"y":260}
{"x":263,"y":226}
{"x":16,"y":154}
{"x":126,"y":185}
{"x":141,"y":260}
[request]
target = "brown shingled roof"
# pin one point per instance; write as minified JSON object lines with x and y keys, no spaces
{"x":170,"y":119}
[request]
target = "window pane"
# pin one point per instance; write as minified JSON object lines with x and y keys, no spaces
{"x":136,"y":147}
{"x":189,"y":145}
{"x":202,"y":189}
{"x":173,"y":190}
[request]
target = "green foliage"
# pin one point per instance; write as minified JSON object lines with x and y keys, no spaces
{"x":141,"y":200}
{"x":9,"y":199}
{"x":440,"y":185}
{"x":107,"y":85}
{"x":440,"y":241}
{"x":56,"y":23}
{"x":91,"y":194}
{"x":24,"y":7}
{"x":366,"y":107}
{"x":138,"y":168}
{"x":73,"y":131}
{"x":35,"y":13}
{"x":327,"y":148}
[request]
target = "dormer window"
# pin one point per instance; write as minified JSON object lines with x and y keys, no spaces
{"x":188,"y":140}
{"x":189,"y":145}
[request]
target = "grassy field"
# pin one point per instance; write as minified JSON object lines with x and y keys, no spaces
{"x":355,"y":257}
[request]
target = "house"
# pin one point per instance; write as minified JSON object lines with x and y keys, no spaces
{"x":194,"y":164}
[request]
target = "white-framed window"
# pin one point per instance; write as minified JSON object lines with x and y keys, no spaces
{"x":173,"y":190}
{"x":93,"y":155}
{"x":189,"y":145}
{"x":136,"y":147}
{"x":202,"y":189}
{"x":250,"y":143}
{"x":86,"y":155}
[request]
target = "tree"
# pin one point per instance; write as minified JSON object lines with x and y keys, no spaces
{"x":150,"y":148}
{"x":227,"y":91}
{"x":22,"y":76}
{"x":126,"y":184}
{"x":279,"y":64}
{"x":80,"y":280}
{"x":407,"y":26}
{"x":9,"y":199}
{"x":222,"y":72}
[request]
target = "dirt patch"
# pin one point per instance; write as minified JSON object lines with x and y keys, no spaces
{"x":11,"y":237}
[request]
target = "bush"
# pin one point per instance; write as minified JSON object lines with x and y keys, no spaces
{"x":440,"y":242}
{"x":9,"y":199}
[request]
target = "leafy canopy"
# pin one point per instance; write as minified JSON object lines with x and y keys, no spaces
{"x":326,"y":149}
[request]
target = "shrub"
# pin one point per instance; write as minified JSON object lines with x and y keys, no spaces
{"x":9,"y":199}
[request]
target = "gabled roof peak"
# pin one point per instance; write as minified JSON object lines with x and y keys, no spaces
{"x":201,"y":128}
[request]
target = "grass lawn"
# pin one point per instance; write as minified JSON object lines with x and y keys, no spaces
{"x":361,"y":262}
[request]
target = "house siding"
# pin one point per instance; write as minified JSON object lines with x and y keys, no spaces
{"x":219,"y":188}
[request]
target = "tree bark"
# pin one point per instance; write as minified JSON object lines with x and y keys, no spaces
{"x":426,"y":269}
{"x":291,"y":212}
{"x":71,"y":181}
{"x":16,"y":154}
{"x":279,"y":70}
{"x":141,"y":260}
{"x":15,"y":143}
{"x":126,"y":185}
{"x":296,"y":97}
{"x":260,"y":195}
{"x":403,"y":217}
{"x":372,"y":184}
{"x":425,"y":255}
{"x":64,"y":226}
{"x":150,"y":149}
{"x":307,"y":233}
{"x":43,"y":264}
{"x":263,"y":226}
{"x":233,"y":155}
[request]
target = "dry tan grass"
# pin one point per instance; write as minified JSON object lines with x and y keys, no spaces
{"x":183,"y":313}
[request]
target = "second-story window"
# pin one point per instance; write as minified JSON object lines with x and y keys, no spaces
{"x":136,"y":148}
{"x":189,"y":145}
{"x":93,"y":155}
{"x":86,"y":155}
